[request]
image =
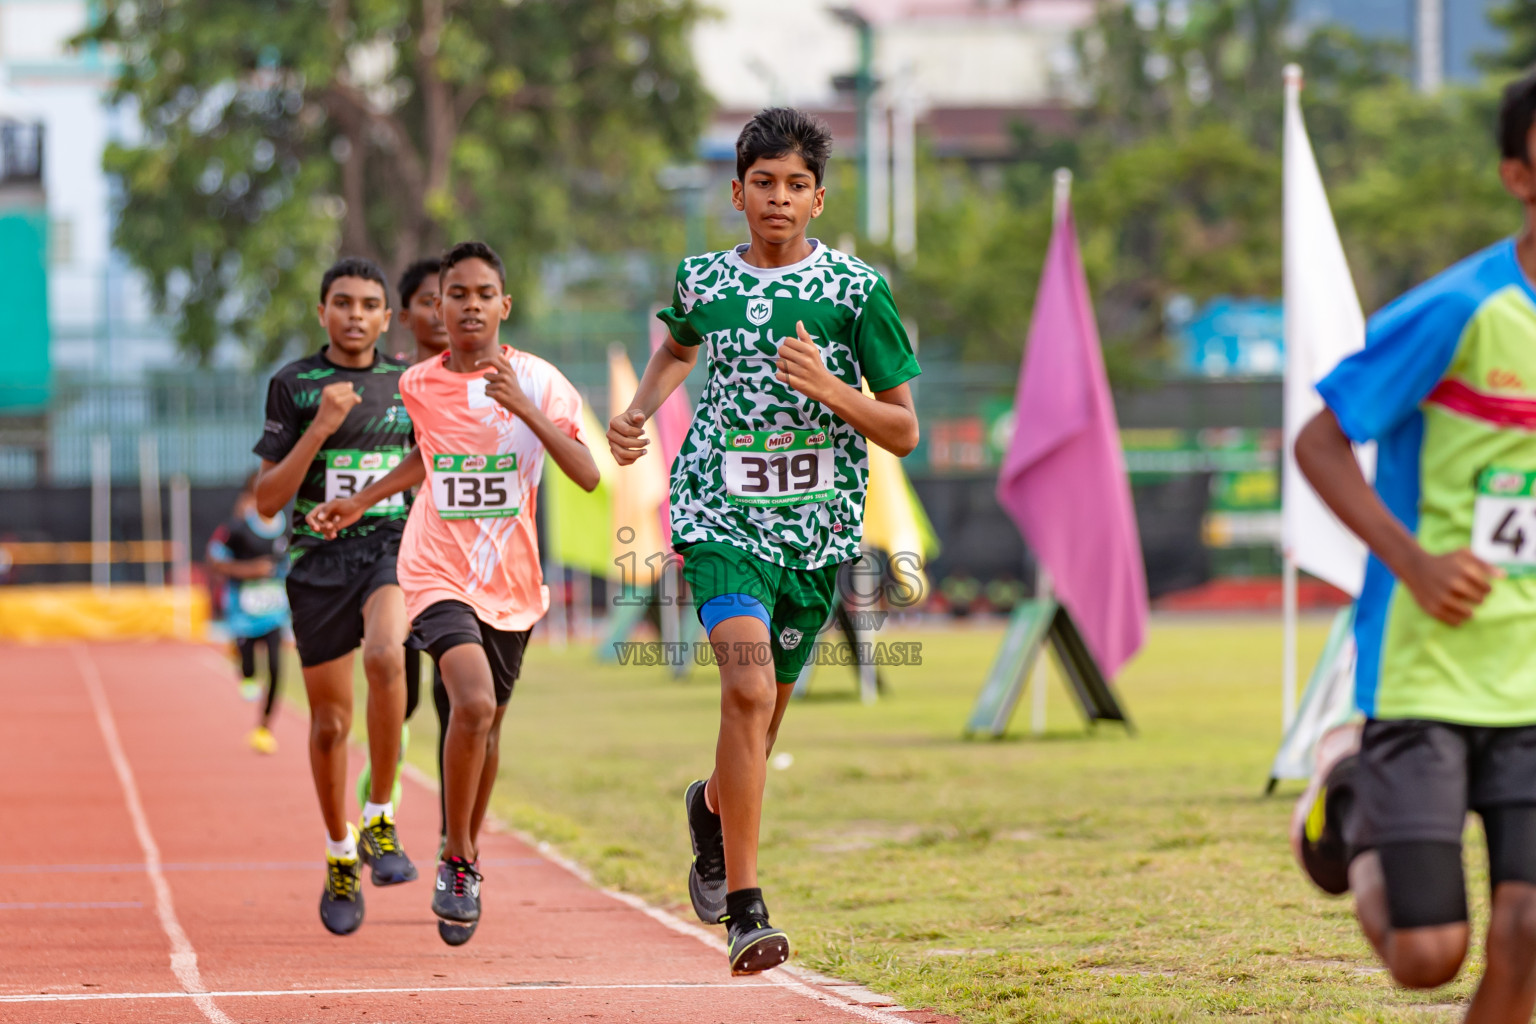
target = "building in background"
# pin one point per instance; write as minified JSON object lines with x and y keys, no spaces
{"x":974,"y":66}
{"x":98,"y":312}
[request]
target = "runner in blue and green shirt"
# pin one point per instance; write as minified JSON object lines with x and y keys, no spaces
{"x":1446,"y":622}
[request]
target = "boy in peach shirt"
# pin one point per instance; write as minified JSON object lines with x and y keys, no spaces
{"x":485,"y":415}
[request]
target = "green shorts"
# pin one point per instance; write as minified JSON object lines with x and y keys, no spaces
{"x":794,"y":604}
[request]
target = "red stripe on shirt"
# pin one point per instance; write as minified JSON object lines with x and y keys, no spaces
{"x":1497,"y":410}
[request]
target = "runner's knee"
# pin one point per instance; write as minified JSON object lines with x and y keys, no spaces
{"x":475,"y":712}
{"x":382,"y":660}
{"x":1427,"y":957}
{"x":329,"y":726}
{"x":1512,"y":928}
{"x":748,"y":695}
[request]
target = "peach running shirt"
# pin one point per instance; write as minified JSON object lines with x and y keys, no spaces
{"x":471,"y":534}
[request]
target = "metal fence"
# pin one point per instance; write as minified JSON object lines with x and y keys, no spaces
{"x":204,"y":423}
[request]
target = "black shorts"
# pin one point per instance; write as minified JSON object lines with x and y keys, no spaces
{"x":1419,"y":778}
{"x":328,"y":587}
{"x":447,"y":624}
{"x":1416,"y":783}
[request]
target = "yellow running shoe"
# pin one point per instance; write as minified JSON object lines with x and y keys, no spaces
{"x":262,"y":741}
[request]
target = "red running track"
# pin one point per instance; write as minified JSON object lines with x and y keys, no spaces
{"x":153,"y":869}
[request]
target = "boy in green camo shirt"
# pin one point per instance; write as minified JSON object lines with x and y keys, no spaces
{"x":767,"y":491}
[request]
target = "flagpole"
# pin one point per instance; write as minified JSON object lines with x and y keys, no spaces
{"x":1044,"y":591}
{"x":1288,"y":658}
{"x":1063,"y":180}
{"x":1288,"y":600}
{"x":1044,"y":594}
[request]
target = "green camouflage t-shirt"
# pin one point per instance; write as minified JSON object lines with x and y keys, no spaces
{"x":763,"y":467}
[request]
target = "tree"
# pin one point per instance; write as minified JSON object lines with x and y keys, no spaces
{"x":1517,"y":19}
{"x":279,"y":133}
{"x":1178,"y":188}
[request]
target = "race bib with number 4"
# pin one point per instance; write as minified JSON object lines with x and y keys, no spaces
{"x":348,"y":472}
{"x":1504,"y":520}
{"x":778,"y":467}
{"x":474,"y":486}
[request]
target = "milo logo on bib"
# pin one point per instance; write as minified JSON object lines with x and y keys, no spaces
{"x":778,"y":442}
{"x":472,"y":463}
{"x":373,"y":460}
{"x":1505,"y":482}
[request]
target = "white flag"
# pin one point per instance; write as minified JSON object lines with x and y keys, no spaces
{"x":1323,"y":324}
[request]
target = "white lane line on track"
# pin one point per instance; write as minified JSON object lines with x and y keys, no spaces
{"x":183,"y":956}
{"x":82,"y":997}
{"x":783,"y":977}
{"x":98,"y":905}
{"x":275,"y":865}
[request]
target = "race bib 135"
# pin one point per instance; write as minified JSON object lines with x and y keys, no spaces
{"x":475,"y":486}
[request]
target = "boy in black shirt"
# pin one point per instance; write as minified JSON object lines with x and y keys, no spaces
{"x":335,"y":422}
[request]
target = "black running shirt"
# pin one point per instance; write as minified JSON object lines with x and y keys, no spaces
{"x":371,"y":441}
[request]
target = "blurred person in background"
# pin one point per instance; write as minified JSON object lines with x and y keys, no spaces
{"x":248,"y":555}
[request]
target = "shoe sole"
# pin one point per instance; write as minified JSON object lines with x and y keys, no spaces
{"x":764,"y":954}
{"x":709,"y":914}
{"x":455,"y":933}
{"x":451,"y":918}
{"x":378,"y":879}
{"x":361,"y":912}
{"x":383,"y":880}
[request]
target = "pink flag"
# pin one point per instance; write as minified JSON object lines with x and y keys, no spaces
{"x":672,"y":421}
{"x":1063,"y":480}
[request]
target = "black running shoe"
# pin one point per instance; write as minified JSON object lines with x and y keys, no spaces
{"x":1318,"y":829}
{"x":458,"y":890}
{"x":706,"y":875}
{"x":456,"y":933}
{"x":753,"y":944}
{"x":379,"y":846}
{"x":341,"y":904}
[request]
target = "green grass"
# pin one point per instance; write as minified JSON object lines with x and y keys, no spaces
{"x":1085,"y":876}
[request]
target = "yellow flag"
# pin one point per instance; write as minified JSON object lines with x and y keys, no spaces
{"x":638,"y":489}
{"x":578,"y":525}
{"x":894,"y":520}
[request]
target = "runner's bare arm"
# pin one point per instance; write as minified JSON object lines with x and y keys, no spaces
{"x":889,"y":419}
{"x":247,"y":569}
{"x":573,"y":458}
{"x":667,"y":369}
{"x":278,"y":482}
{"x":331,"y":517}
{"x":1448,"y":587}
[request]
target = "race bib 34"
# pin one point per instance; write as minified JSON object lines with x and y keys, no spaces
{"x":348,"y":472}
